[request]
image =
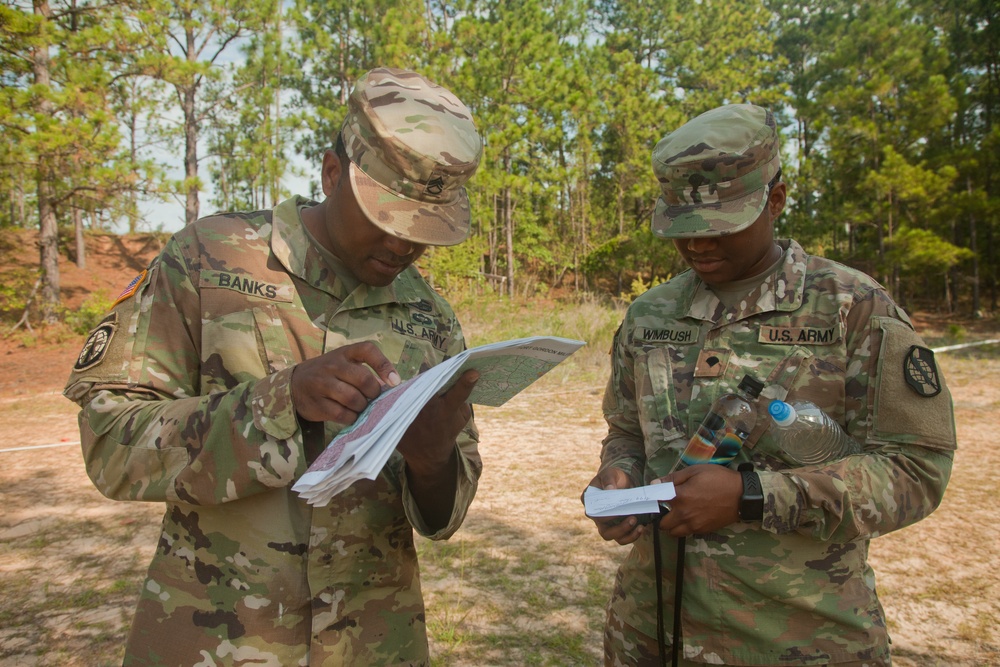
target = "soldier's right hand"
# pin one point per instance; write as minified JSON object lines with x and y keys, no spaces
{"x":337,"y":386}
{"x":623,"y":530}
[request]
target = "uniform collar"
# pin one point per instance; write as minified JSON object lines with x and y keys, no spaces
{"x":296,"y":252}
{"x":782,"y":291}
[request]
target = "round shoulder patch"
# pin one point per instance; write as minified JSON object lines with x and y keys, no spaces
{"x":921,"y":372}
{"x":97,"y":343}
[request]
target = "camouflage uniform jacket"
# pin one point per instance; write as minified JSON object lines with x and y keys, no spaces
{"x":189,"y":404}
{"x":796,"y":588}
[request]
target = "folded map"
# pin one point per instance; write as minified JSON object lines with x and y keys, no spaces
{"x":361,"y":450}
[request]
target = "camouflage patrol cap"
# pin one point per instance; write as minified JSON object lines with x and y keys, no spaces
{"x":714,"y":172}
{"x":412,"y":146}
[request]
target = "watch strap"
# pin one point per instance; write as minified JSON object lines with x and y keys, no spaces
{"x":751,"y":506}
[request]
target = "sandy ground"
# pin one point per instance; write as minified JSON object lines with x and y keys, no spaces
{"x":524,"y":580}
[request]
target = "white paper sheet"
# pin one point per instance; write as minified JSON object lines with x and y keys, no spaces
{"x":626,"y":502}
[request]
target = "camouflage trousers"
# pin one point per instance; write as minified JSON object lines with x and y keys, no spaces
{"x":624,"y":646}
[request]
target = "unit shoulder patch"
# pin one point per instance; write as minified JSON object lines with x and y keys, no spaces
{"x":97,"y":343}
{"x":920,"y":371}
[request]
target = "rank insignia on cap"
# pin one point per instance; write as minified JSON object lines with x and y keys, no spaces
{"x":97,"y":343}
{"x":921,"y":372}
{"x":130,"y":288}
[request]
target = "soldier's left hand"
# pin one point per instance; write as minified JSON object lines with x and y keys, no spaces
{"x":708,"y":498}
{"x":429,"y":442}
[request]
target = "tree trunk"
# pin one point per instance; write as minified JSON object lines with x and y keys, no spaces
{"x":48,"y":244}
{"x":48,"y":238}
{"x":275,"y":185}
{"x":508,"y":224}
{"x":189,"y":93}
{"x":975,"y":255}
{"x":81,"y":246}
{"x":190,"y":157}
{"x":991,"y":276}
{"x":894,"y":267}
{"x":494,"y":245}
{"x":132,"y":123}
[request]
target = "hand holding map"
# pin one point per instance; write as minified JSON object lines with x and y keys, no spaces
{"x":361,"y":450}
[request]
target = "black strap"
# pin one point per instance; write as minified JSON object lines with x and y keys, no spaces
{"x":678,"y":594}
{"x":658,"y":568}
{"x":313,"y":439}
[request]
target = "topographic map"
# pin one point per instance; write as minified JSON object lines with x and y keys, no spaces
{"x":361,"y":450}
{"x":502,"y":375}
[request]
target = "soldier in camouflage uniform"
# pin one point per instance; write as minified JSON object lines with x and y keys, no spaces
{"x":782,"y":580}
{"x":226,"y":367}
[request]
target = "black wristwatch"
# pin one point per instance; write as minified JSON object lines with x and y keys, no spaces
{"x":752,"y":500}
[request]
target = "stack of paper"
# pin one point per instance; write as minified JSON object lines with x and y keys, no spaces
{"x":361,"y":450}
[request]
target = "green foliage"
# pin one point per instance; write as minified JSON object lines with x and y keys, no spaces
{"x":607,"y":257}
{"x":640,"y":287}
{"x":15,"y":290}
{"x":452,"y":268}
{"x":93,"y":309}
{"x":251,"y":134}
{"x":888,"y":108}
{"x":919,"y":251}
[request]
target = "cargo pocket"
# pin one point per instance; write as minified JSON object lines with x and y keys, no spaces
{"x":242,"y":346}
{"x":273,"y":339}
{"x":414,"y":358}
{"x":800,"y":376}
{"x":230,"y":352}
{"x":657,"y":405}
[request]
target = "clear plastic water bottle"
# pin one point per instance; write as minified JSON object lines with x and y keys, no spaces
{"x":807,"y":435}
{"x":721,"y":433}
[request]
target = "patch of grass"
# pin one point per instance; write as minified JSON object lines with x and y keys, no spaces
{"x":982,"y":624}
{"x":440,"y":553}
{"x":90,"y":313}
{"x":532,"y":562}
{"x":448,"y":626}
{"x":597,"y":589}
{"x":123,"y":587}
{"x":39,"y":541}
{"x":547,"y":647}
{"x":86,"y":598}
{"x":587,"y":318}
{"x":957,"y":332}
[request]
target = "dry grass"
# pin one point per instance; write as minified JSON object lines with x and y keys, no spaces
{"x":525,"y":580}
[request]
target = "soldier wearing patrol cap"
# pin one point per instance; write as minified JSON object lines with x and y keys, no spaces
{"x":227,"y":366}
{"x":774,"y":563}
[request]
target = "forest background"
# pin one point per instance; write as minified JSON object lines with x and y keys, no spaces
{"x":887,"y":108}
{"x":890,"y":151}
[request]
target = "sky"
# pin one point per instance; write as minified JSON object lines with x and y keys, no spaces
{"x":168,"y":216}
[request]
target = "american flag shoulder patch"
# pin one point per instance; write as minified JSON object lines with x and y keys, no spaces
{"x":131,"y":288}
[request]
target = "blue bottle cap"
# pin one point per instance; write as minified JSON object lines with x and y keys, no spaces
{"x":782,"y":413}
